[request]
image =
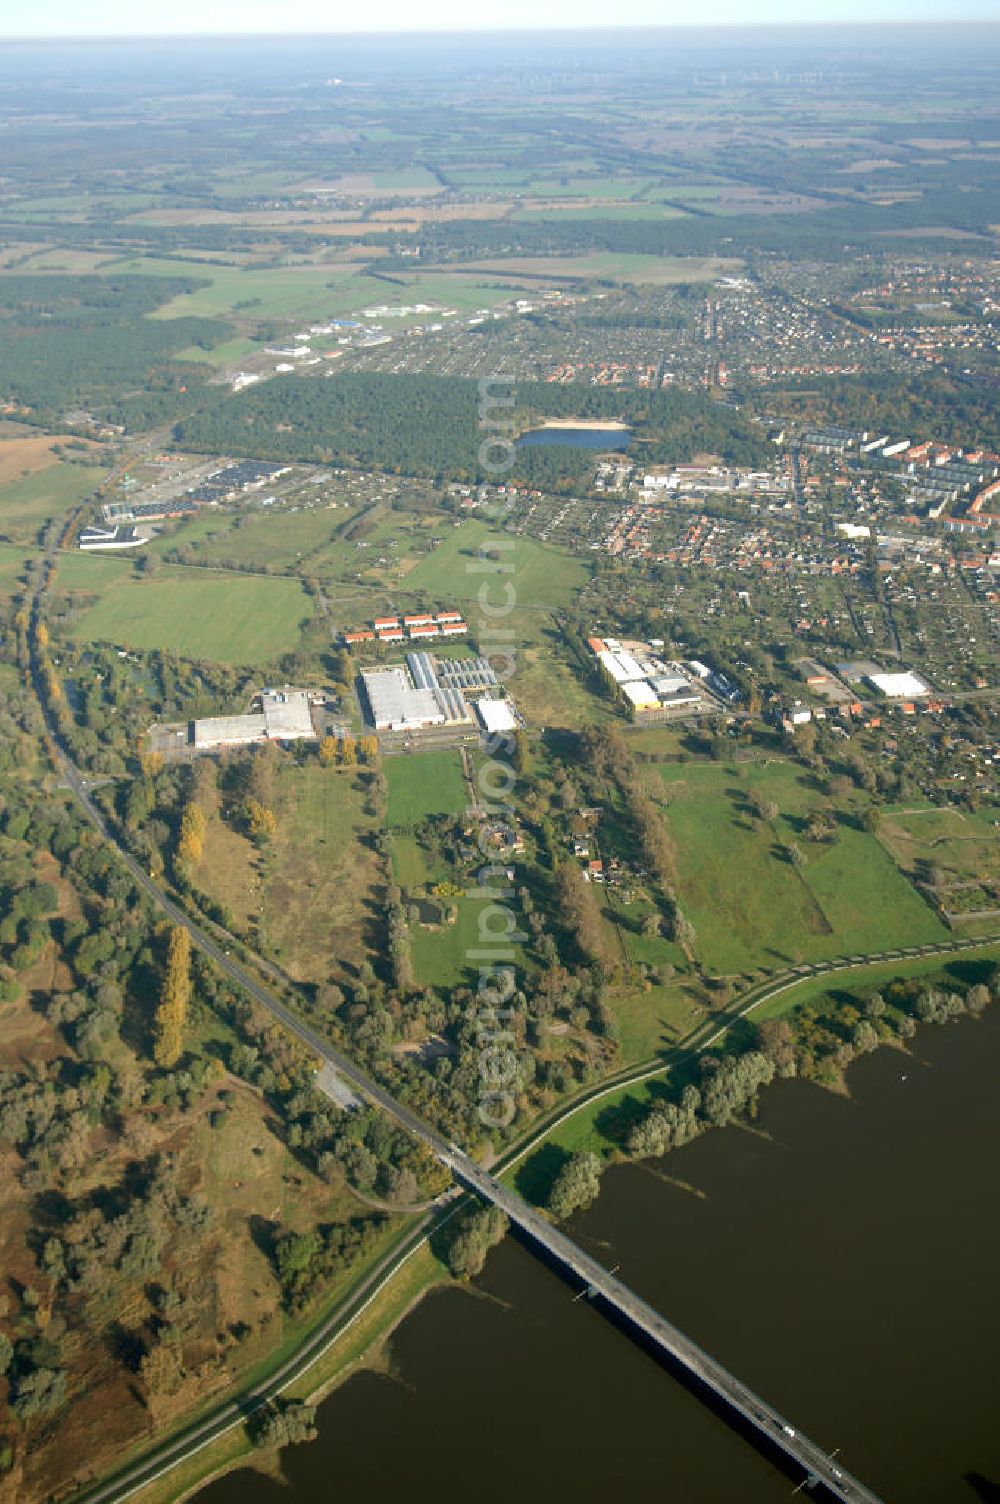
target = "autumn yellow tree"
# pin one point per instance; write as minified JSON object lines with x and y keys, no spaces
{"x":191,"y":841}
{"x":175,"y":994}
{"x":260,"y":820}
{"x":348,"y":751}
{"x":328,"y":750}
{"x":368,"y":747}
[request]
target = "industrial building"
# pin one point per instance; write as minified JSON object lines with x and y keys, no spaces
{"x":410,"y":698}
{"x":124,"y":536}
{"x":901,"y":686}
{"x":496,"y":716}
{"x":427,"y":691}
{"x":285,"y":715}
{"x":644,"y":680}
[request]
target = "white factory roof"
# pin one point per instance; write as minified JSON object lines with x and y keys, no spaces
{"x":621,"y":666}
{"x":396,"y":705}
{"x":496,"y":715}
{"x":284,"y":716}
{"x":670,"y":684}
{"x":903,"y":686}
{"x":640,"y":692}
{"x":286,"y":713}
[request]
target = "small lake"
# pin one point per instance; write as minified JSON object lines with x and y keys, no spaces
{"x":840,"y":1255}
{"x":576,"y":438}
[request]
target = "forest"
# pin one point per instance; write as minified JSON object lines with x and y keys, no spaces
{"x":431,"y":425}
{"x":85,"y":341}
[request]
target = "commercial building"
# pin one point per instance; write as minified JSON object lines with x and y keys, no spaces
{"x":901,"y":686}
{"x":496,"y":716}
{"x":285,"y":715}
{"x":411,"y":698}
{"x":95,"y":537}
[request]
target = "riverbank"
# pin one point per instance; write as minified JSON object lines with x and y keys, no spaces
{"x":402,"y":1286}
{"x":837,"y":1254}
{"x":361,"y":1345}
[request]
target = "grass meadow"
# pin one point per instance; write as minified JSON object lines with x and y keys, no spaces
{"x":422,"y":784}
{"x":195,"y":613}
{"x":749,"y":905}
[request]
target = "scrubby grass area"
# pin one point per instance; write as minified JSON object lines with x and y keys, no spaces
{"x":320,"y":875}
{"x":749,"y":904}
{"x":962,"y":846}
{"x":652,"y":1021}
{"x":548,"y":689}
{"x":253,"y":537}
{"x":12,"y":562}
{"x":198,"y":614}
{"x":424,"y":783}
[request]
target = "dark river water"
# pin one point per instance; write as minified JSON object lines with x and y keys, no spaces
{"x":841,"y":1257}
{"x":576,"y":438}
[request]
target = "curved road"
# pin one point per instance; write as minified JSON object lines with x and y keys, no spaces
{"x":820,"y":1469}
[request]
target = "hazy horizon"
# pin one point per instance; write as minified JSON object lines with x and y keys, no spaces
{"x":113,"y":20}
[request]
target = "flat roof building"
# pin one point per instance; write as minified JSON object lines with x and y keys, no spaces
{"x":284,"y":716}
{"x":496,"y":715}
{"x":902,"y":686}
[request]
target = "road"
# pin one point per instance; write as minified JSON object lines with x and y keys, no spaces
{"x":341,"y":1064}
{"x":777,"y":1431}
{"x":196,"y":1437}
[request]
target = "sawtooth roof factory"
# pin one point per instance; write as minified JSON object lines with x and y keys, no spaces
{"x":427,"y":691}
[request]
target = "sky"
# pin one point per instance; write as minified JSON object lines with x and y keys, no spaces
{"x":54,"y":18}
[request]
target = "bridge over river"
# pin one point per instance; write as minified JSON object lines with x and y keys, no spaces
{"x":822,"y":1471}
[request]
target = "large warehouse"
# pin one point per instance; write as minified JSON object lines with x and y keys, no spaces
{"x":412,"y":697}
{"x":899,"y":686}
{"x":284,"y":716}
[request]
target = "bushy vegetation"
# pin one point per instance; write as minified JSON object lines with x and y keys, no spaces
{"x":577,"y":1184}
{"x":469,"y":1238}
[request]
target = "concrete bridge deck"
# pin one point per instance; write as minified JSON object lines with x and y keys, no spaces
{"x":820,"y":1469}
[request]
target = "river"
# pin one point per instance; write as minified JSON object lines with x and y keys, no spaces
{"x":840,"y":1256}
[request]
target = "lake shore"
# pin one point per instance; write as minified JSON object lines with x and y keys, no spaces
{"x":599,"y":425}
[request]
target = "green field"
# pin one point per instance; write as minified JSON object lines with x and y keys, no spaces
{"x":750,"y":907}
{"x":660,"y":271}
{"x":304,"y":292}
{"x":422,"y":784}
{"x":622,"y":211}
{"x":273,"y":537}
{"x":195,"y":613}
{"x":229,"y":353}
{"x":12,"y":562}
{"x":26,"y":504}
{"x":962,"y":846}
{"x":441,"y":956}
{"x":539,"y":575}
